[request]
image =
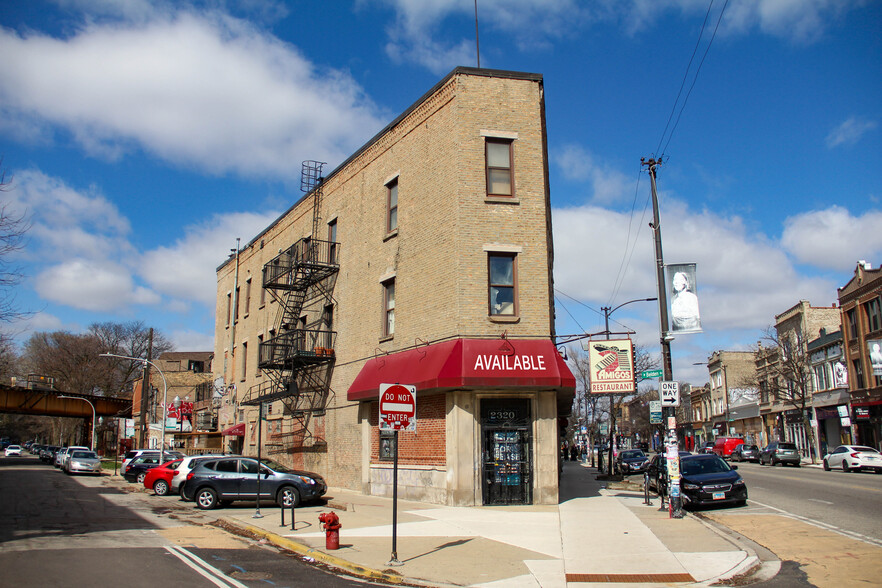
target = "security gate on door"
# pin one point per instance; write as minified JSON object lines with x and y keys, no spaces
{"x":507,"y":451}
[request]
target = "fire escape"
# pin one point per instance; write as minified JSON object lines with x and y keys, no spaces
{"x":298,"y":359}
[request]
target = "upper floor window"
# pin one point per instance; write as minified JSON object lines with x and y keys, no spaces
{"x":873,"y":308}
{"x":229,"y":306}
{"x":332,"y":238}
{"x":502,"y":283}
{"x":247,"y":296}
{"x":389,"y":307}
{"x":851,"y":316}
{"x":262,"y":288}
{"x":500,"y":177}
{"x":392,"y":205}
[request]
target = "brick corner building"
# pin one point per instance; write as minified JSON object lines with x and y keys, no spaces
{"x":423,"y":259}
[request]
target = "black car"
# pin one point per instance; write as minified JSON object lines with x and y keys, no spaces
{"x":227,"y":479}
{"x":632,"y":461}
{"x":47,"y":454}
{"x":708,"y":479}
{"x":780,"y":452}
{"x":136,"y":470}
{"x":745,"y":452}
{"x":657,"y":472}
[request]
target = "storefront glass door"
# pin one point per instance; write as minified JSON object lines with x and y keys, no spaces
{"x":507,"y":450}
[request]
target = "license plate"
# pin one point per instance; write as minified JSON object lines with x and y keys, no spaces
{"x":719,"y":495}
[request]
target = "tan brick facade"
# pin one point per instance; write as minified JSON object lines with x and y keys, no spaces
{"x":438,"y":258}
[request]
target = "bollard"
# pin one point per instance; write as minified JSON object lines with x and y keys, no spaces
{"x":293,"y":522}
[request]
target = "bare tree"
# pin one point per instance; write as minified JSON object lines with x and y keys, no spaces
{"x":788,"y":376}
{"x":131,"y":339}
{"x":13,"y":228}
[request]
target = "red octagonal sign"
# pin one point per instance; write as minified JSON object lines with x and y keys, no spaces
{"x":397,"y":407}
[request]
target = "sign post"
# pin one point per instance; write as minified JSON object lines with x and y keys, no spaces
{"x":397,"y":413}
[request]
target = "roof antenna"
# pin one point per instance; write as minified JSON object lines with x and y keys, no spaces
{"x":477,"y":39}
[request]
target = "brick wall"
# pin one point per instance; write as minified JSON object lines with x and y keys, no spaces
{"x":426,"y":446}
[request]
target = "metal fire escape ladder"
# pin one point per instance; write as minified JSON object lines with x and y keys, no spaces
{"x":299,"y":358}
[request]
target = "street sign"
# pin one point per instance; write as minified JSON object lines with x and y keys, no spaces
{"x":655,"y":412}
{"x":646,"y":374}
{"x":670,"y":393}
{"x":397,"y":407}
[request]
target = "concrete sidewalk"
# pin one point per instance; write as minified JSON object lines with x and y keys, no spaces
{"x":596,"y":536}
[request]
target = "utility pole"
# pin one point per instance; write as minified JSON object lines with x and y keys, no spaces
{"x":145,"y":392}
{"x":667,"y":369}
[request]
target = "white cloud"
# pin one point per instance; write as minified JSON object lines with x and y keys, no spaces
{"x":186,"y":340}
{"x":849,"y":132}
{"x":744,"y":278}
{"x":532,"y":22}
{"x":186,"y":269}
{"x":833,"y":238}
{"x":608,"y":185}
{"x":208,"y":91}
{"x":91,"y":285}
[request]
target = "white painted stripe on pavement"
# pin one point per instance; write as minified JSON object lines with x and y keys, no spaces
{"x":206,"y":570}
{"x":822,"y":525}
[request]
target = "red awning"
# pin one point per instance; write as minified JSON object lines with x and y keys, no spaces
{"x":467,"y":363}
{"x":234,"y":431}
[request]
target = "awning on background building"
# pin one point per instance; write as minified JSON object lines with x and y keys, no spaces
{"x":234,"y":431}
{"x":467,"y":363}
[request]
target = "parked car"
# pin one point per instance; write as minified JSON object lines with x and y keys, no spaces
{"x":226,"y":479}
{"x":136,"y":470}
{"x":854,"y":457}
{"x":724,"y":446}
{"x":188,"y":463}
{"x":159,"y":478}
{"x":63,"y":454}
{"x":83,"y":461}
{"x":632,"y":461}
{"x":708,"y":479}
{"x":47,"y":454}
{"x":13,"y":450}
{"x":745,"y":452}
{"x":780,"y":452}
{"x":708,"y":447}
{"x":135,"y":453}
{"x":657,"y":472}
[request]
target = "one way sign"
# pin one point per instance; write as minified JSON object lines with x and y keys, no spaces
{"x":670,"y":393}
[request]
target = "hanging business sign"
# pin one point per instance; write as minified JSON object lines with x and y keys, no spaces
{"x":655,"y":412}
{"x":397,"y":407}
{"x":611,"y":363}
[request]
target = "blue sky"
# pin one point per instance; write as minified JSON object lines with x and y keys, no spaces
{"x":144,"y":136}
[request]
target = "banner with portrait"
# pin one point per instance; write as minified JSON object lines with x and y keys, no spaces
{"x":683,"y":298}
{"x":874,"y":349}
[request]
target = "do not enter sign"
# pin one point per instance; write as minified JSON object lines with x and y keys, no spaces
{"x":397,"y":407}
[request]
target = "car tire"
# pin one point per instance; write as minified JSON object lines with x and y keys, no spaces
{"x":826,"y":466}
{"x":205,"y":498}
{"x":288,"y":497}
{"x":160,"y":487}
{"x":845,"y":466}
{"x":140,"y":478}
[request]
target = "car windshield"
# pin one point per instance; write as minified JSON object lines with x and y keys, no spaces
{"x":84,"y":455}
{"x":865,"y":450}
{"x":276,"y":467}
{"x":632,"y":453}
{"x":749,"y":448}
{"x":692,"y":467}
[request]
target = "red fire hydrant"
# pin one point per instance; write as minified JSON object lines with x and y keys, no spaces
{"x":331,"y":524}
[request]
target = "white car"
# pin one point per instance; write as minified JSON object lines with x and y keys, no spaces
{"x":13,"y":450}
{"x":854,"y":457}
{"x":64,"y":454}
{"x":187,"y":464}
{"x":83,"y":461}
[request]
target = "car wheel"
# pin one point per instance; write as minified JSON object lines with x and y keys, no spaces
{"x":141,"y":476}
{"x":288,"y":497}
{"x":160,"y":487}
{"x":845,"y":466}
{"x":826,"y":466}
{"x":206,"y":498}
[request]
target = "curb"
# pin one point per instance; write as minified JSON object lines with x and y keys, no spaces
{"x":321,"y":556}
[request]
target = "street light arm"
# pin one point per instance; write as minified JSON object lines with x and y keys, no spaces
{"x":629,"y":302}
{"x":92,"y":406}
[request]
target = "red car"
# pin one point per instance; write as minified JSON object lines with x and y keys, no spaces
{"x":159,"y":478}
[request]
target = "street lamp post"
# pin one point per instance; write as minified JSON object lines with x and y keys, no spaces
{"x":612,"y":414}
{"x":93,"y":414}
{"x":165,"y":395}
